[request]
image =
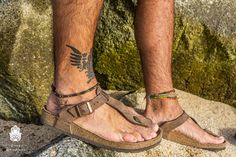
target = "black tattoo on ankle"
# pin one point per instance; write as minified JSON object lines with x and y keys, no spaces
{"x":157,"y":106}
{"x":83,"y":61}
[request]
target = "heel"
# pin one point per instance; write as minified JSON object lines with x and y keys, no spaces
{"x":54,"y":121}
{"x":47,"y":118}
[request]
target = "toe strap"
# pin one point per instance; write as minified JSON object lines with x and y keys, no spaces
{"x":171,"y":125}
{"x":129,"y":115}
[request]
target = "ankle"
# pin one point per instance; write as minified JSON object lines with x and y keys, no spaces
{"x":163,"y":109}
{"x":161,"y":100}
{"x":66,"y":87}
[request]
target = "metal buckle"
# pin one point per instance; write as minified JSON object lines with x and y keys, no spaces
{"x":89,"y":107}
{"x":79,"y":112}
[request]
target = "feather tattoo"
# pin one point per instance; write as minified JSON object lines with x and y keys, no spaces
{"x":83,"y":61}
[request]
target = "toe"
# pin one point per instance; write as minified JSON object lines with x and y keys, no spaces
{"x":138,"y":136}
{"x":147,"y":133}
{"x":217,"y":140}
{"x":155,"y":127}
{"x":221,"y":139}
{"x":153,"y":134}
{"x":210,"y":138}
{"x":129,"y":138}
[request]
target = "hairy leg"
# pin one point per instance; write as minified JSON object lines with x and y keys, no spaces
{"x":74,"y":25}
{"x":154,"y":27}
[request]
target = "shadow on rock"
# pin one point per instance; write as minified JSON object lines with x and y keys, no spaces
{"x":229,"y":134}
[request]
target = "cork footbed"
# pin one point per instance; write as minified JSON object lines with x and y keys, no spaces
{"x":178,"y":137}
{"x":78,"y":132}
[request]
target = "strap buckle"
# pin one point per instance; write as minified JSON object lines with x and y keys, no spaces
{"x":81,"y":112}
{"x":89,"y":107}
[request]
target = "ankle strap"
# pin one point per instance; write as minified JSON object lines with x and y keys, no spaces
{"x":73,"y":94}
{"x":168,"y":94}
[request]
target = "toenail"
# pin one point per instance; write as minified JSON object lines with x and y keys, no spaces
{"x":153,"y":134}
{"x":221,"y":138}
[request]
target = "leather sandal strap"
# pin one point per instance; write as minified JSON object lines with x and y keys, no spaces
{"x":72,"y":112}
{"x":131,"y":117}
{"x":171,"y":125}
{"x":89,"y":107}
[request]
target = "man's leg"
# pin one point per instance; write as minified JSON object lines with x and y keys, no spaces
{"x":154,"y":34}
{"x":74,"y":25}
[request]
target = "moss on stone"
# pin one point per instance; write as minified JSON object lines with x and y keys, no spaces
{"x":204,"y":63}
{"x":27,"y":65}
{"x":40,"y":6}
{"x":121,"y":67}
{"x":117,"y":62}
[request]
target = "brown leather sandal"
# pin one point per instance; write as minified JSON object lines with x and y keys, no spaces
{"x":178,"y":137}
{"x":64,"y":121}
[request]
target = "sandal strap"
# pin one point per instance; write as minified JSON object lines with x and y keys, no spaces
{"x":163,"y":95}
{"x":72,"y":112}
{"x":168,"y":126}
{"x":131,"y":117}
{"x":88,"y":107}
{"x":73,"y":94}
{"x":172,"y":124}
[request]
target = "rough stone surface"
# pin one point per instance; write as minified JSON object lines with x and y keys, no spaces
{"x":26,"y":62}
{"x":33,"y":137}
{"x":204,"y":58}
{"x":204,"y":51}
{"x":69,"y":147}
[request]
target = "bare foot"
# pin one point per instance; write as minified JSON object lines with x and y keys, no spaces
{"x":163,"y":110}
{"x":106,"y":122}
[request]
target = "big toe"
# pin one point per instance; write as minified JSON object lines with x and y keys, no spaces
{"x":214,"y":139}
{"x":218,"y":140}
